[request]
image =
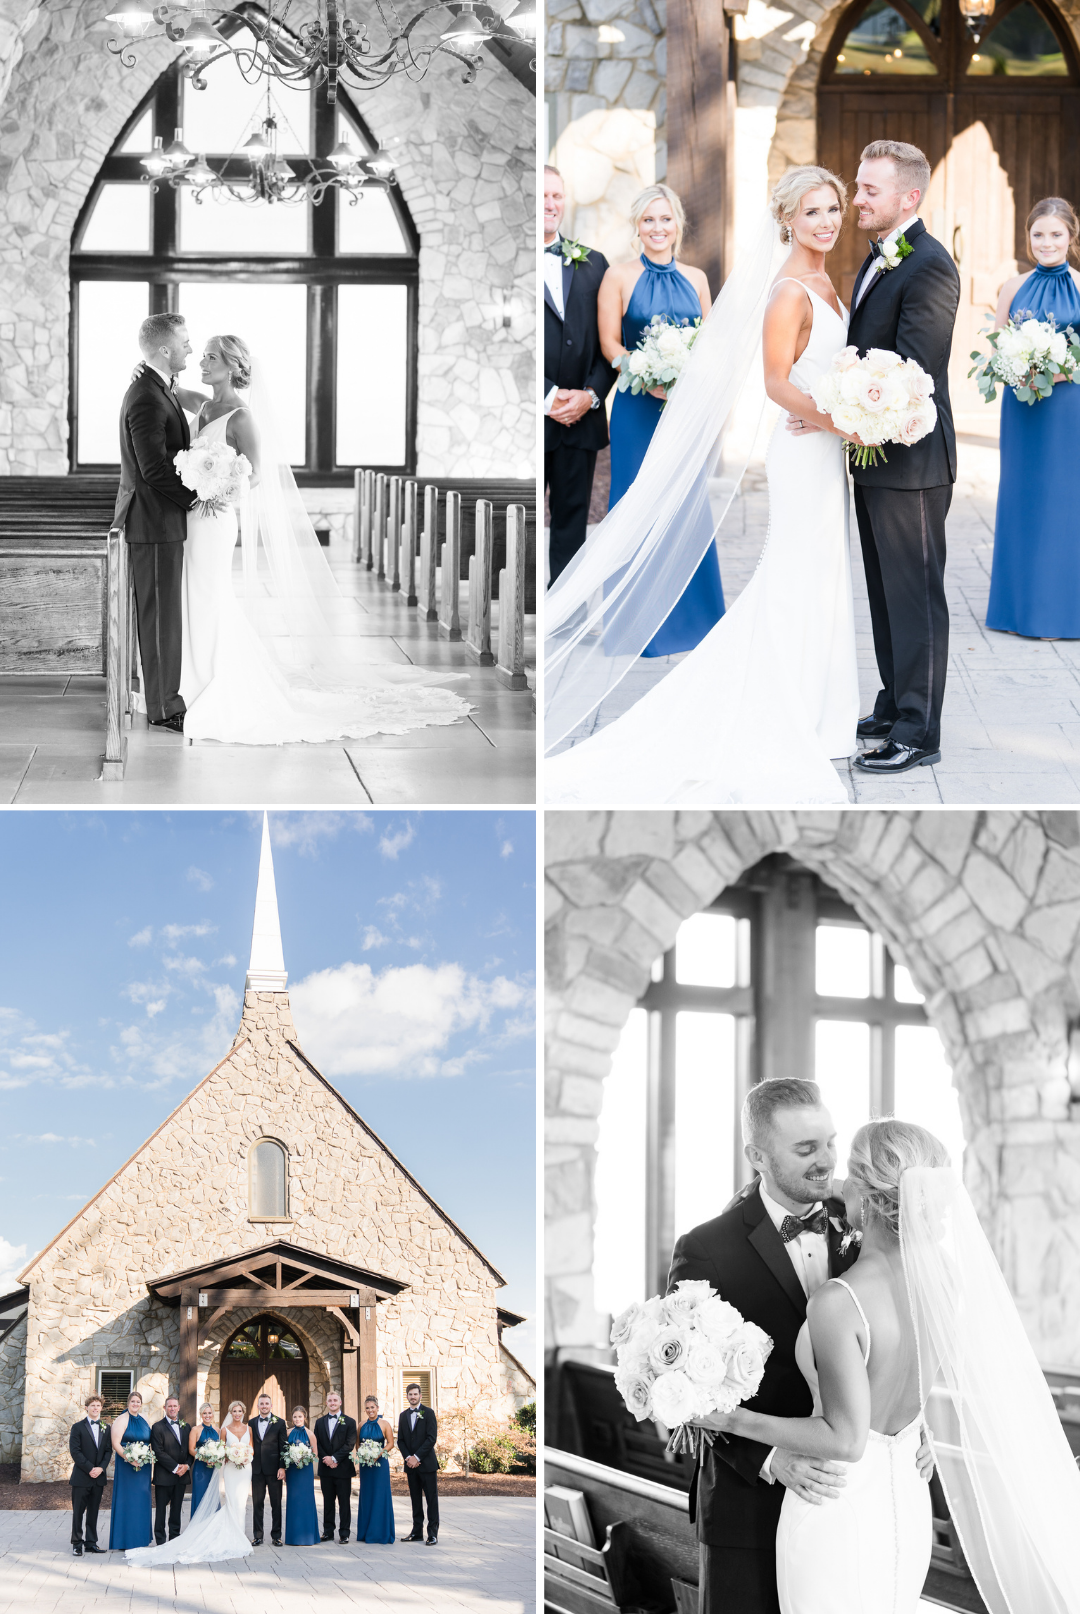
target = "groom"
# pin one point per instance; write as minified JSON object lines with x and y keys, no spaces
{"x":905,"y":300}
{"x":151,"y":506}
{"x":767,"y":1253}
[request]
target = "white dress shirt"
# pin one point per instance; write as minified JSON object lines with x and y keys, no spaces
{"x":331,"y":1422}
{"x":808,"y":1254}
{"x":263,"y":1426}
{"x":886,"y":240}
{"x":553,"y":267}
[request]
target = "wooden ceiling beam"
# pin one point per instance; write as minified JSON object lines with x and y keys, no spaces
{"x":230,"y":1298}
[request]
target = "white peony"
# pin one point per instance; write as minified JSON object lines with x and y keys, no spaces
{"x":1039,"y":334}
{"x":676,"y":1399}
{"x":1058,"y":350}
{"x":639,"y":362}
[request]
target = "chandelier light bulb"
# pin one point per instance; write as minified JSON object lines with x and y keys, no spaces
{"x":156,"y":163}
{"x":201,"y":38}
{"x":343,"y":156}
{"x":259,"y":144}
{"x":176,"y":154}
{"x":465,"y":32}
{"x":282,"y":169}
{"x":200,"y":173}
{"x":381,"y":164}
{"x":132,"y":17}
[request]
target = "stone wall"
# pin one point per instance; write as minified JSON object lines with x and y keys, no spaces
{"x":348,"y":1199}
{"x":465,"y":164}
{"x":12,"y":1387}
{"x":519,"y":1388}
{"x":982,"y":907}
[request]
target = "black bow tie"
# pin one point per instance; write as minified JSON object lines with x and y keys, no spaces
{"x":877,"y":248}
{"x":554,"y":247}
{"x":816,"y":1222}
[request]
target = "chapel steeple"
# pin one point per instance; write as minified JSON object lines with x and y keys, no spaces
{"x":266,"y":970}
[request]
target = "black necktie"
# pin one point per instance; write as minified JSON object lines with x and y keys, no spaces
{"x":816,"y":1222}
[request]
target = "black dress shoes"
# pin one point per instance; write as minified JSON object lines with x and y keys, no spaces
{"x":89,"y":1548}
{"x":432,"y":1541}
{"x":343,"y":1540}
{"x":873,"y":728}
{"x":894,"y":758}
{"x":76,"y":1549}
{"x":275,"y":1541}
{"x":329,"y":1537}
{"x":256,"y":1541}
{"x":175,"y":722}
{"x":417,"y":1535}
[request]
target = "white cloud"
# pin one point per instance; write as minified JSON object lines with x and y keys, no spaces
{"x":173,"y":933}
{"x":391,"y":842}
{"x":373,"y":937}
{"x":309,"y":831}
{"x":506,"y":849}
{"x":151,"y":994}
{"x":400,"y":1021}
{"x":184,"y":966}
{"x":12,"y":1261}
{"x":141,"y":938}
{"x":199,"y":877}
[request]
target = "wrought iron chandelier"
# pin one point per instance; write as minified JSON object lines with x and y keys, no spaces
{"x":335,"y":48}
{"x":975,"y":14}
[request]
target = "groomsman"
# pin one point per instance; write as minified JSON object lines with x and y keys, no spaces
{"x":168,"y":1440}
{"x":417,"y":1433}
{"x":335,"y":1437}
{"x":577,"y":379}
{"x":90,"y":1450}
{"x":268,"y":1439}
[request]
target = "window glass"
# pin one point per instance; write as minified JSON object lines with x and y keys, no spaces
{"x":1023,"y":45}
{"x":219,"y":119}
{"x":119,"y":221}
{"x":110,"y":313}
{"x":267,"y":1180}
{"x":924,"y":1090}
{"x":282,"y":1345}
{"x":619,"y":1236}
{"x":373,"y":340}
{"x":272,"y":320}
{"x":904,"y":988}
{"x":842,"y":1071}
{"x":883,"y":41}
{"x":245,"y":1344}
{"x":141,"y":137}
{"x":704,"y":1117}
{"x":219,"y":223}
{"x":843,"y":962}
{"x":705,"y":950}
{"x":368,"y":223}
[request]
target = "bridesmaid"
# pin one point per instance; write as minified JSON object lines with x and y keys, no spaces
{"x":301,"y":1514}
{"x":201,"y":1473}
{"x":1035,"y":582}
{"x":131,"y":1519}
{"x":376,"y":1522}
{"x":630,"y":294}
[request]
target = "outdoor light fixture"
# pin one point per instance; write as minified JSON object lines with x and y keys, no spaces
{"x":975,"y":13}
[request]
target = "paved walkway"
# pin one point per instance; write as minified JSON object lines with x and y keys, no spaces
{"x":485,"y":1563}
{"x":52,"y":735}
{"x":1011,"y":719}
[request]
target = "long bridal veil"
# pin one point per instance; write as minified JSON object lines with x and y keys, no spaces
{"x":1009,"y":1477}
{"x":607,"y":605}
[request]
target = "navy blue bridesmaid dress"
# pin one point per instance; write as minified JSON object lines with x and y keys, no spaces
{"x":202,"y":1473}
{"x":301,"y":1515}
{"x":376,"y":1522}
{"x":661,"y":289}
{"x":131,"y":1519}
{"x":1035,"y":581}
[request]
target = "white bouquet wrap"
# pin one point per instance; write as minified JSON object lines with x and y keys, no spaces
{"x":880,"y":399}
{"x":657,"y":361}
{"x":213,"y":471}
{"x":298,"y":1455}
{"x":684,"y":1355}
{"x":368,"y":1454}
{"x":211,"y":1452}
{"x":1026,"y":355}
{"x":138,"y":1453}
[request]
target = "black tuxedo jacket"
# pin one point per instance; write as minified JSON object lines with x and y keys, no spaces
{"x":152,"y":502}
{"x":572,"y":354}
{"x":743,"y":1256}
{"x":342,"y":1443}
{"x":911,"y":311}
{"x":85,"y":1455}
{"x":168,"y":1453}
{"x":268,"y":1454}
{"x":419,"y":1442}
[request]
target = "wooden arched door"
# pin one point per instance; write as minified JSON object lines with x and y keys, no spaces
{"x":264,"y":1357}
{"x":998,"y":118}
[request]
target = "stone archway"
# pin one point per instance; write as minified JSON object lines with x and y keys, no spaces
{"x":315,"y":1332}
{"x":983,"y":908}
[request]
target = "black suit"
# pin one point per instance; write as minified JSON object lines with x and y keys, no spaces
{"x":267,"y":1457}
{"x":902,"y":505}
{"x":573,"y":358}
{"x":336,"y":1482}
{"x":86,"y":1493}
{"x":169,"y":1486}
{"x":736,"y":1512}
{"x":152,"y":505}
{"x":424,"y":1478}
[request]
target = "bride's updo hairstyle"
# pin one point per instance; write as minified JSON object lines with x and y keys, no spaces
{"x":881,"y":1151}
{"x":1056,"y":207}
{"x":788,"y":192}
{"x":237,"y":355}
{"x":657,"y":193}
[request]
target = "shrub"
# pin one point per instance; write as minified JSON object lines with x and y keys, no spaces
{"x":494,"y":1455}
{"x":524,"y":1445}
{"x":525,"y":1417}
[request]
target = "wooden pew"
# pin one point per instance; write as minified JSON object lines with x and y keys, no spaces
{"x":499,"y":493}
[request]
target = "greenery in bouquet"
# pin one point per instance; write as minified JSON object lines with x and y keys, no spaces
{"x":368,"y":1454}
{"x":211,"y":1452}
{"x":298,"y":1455}
{"x":1026,"y":355}
{"x":138,"y":1453}
{"x":660,"y":356}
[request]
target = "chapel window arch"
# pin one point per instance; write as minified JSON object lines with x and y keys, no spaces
{"x":268,"y":1180}
{"x":327,"y":295}
{"x":902,"y":43}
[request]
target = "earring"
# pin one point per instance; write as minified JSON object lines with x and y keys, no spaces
{"x":785,"y":234}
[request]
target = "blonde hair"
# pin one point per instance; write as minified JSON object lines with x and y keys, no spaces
{"x":912,"y":168}
{"x":789,"y":190}
{"x":237,"y":355}
{"x":206,"y":1407}
{"x":657,"y":193}
{"x":233,"y":1406}
{"x":881,"y":1151}
{"x":1056,"y":207}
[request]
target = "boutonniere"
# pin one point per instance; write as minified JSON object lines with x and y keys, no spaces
{"x":894,"y":253}
{"x":574,"y":253}
{"x":849,"y":1234}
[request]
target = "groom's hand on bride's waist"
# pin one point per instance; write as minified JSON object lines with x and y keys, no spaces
{"x":812,"y":1478}
{"x":924,"y":1458}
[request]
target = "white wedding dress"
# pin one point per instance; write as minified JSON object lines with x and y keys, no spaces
{"x":756,"y":711}
{"x":215,"y":1532}
{"x":236,"y":691}
{"x":867,"y":1550}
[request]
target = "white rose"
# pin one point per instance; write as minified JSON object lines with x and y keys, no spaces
{"x":717,"y":1320}
{"x":639,"y":362}
{"x":636,"y":1391}
{"x":687,"y":1296}
{"x":1058,"y":350}
{"x":1038,"y":334}
{"x":642,"y":1334}
{"x":882,"y":359}
{"x":745,"y":1366}
{"x":846,"y":357}
{"x":623,"y":1325}
{"x":875,"y":393}
{"x":919,"y":384}
{"x":917,"y":425}
{"x":668,"y":1350}
{"x":705,"y":1364}
{"x":675,"y":1399}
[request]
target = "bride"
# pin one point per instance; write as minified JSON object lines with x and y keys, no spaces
{"x":921,"y":1329}
{"x":265,"y":671}
{"x":215,"y":1532}
{"x":757,"y":710}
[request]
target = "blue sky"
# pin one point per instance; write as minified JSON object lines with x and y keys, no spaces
{"x":410,"y":944}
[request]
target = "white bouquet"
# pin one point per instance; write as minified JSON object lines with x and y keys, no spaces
{"x":138,"y":1453}
{"x":1026,"y":355}
{"x":298,"y":1455}
{"x":239,"y":1454}
{"x":368,"y":1454}
{"x":211,"y":1452}
{"x":214,"y":471}
{"x":880,"y":399}
{"x":657,"y":361}
{"x":687,"y":1354}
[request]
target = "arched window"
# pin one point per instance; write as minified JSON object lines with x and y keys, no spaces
{"x":326,"y":295}
{"x":1021,"y":45}
{"x":268,"y":1180}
